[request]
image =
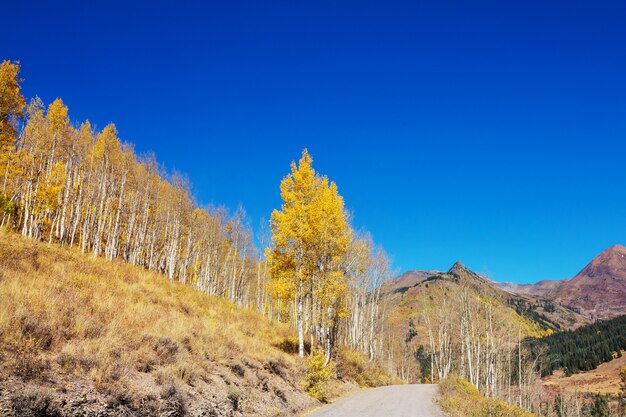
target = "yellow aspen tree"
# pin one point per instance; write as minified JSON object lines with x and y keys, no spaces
{"x":293,"y":238}
{"x":334,"y":237}
{"x":309,"y":235}
{"x":12,"y":106}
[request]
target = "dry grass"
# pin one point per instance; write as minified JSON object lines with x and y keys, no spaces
{"x":459,"y":398}
{"x":603,"y":380}
{"x":355,"y":367}
{"x":111,"y":321}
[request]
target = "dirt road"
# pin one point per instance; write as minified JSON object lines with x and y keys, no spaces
{"x":391,"y":401}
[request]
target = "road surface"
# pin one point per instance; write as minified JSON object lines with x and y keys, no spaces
{"x":390,"y":401}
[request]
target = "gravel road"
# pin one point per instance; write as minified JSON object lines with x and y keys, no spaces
{"x":390,"y":401}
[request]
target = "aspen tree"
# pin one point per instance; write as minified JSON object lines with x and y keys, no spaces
{"x":12,"y":106}
{"x":310,"y":236}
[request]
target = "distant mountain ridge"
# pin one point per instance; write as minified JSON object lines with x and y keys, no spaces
{"x":597,"y":292}
{"x":544,"y":314}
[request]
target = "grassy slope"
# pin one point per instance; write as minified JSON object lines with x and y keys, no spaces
{"x":602,"y":380}
{"x":109,"y":338}
{"x":459,"y":398}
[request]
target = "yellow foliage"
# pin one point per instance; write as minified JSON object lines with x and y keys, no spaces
{"x":355,"y":367}
{"x":310,"y":236}
{"x":318,"y":375}
{"x":12,"y":103}
{"x":459,"y":398}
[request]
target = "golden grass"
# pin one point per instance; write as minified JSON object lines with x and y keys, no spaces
{"x":110,"y":321}
{"x":605,"y":379}
{"x":355,"y":367}
{"x":459,"y":398}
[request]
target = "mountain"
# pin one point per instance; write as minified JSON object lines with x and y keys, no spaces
{"x":421,"y":306}
{"x":527,"y":301}
{"x":540,"y":289}
{"x":597,"y":292}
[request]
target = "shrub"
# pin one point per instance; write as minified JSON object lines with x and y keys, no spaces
{"x":35,"y":331}
{"x":280,"y":394}
{"x":355,"y":367}
{"x":459,"y":398}
{"x":35,"y":402}
{"x":238,"y":369}
{"x":175,"y":405}
{"x":234,"y":396}
{"x":277,"y":367}
{"x":166,"y":349}
{"x":29,"y":365}
{"x":318,"y":375}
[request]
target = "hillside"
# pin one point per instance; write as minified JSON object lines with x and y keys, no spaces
{"x":597,"y":292}
{"x":85,"y":336}
{"x":545,"y":316}
{"x":605,"y":379}
{"x":582,"y":349}
{"x":423,"y":303}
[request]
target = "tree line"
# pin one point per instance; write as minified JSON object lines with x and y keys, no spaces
{"x":582,"y":349}
{"x":69,"y":184}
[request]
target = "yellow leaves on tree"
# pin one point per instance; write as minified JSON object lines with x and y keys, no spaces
{"x":310,"y":236}
{"x":12,"y":103}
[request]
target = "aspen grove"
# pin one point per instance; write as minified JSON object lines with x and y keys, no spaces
{"x":68,"y":184}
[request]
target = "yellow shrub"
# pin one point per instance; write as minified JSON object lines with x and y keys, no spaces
{"x":355,"y":367}
{"x":459,"y":398}
{"x":318,"y":375}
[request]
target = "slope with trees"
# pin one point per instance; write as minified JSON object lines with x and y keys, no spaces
{"x":69,"y":185}
{"x":582,"y":349}
{"x":324,"y":276}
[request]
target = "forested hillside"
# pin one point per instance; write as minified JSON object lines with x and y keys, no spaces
{"x":582,"y":349}
{"x":87,"y":194}
{"x":65,"y":183}
{"x":459,"y":323}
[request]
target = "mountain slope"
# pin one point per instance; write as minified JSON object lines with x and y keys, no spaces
{"x":419,"y":304}
{"x":597,"y":292}
{"x":86,"y":336}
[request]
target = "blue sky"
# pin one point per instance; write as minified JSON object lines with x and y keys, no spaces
{"x":490,"y":132}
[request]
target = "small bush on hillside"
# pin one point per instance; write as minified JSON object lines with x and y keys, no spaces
{"x":175,"y":404}
{"x":277,"y":367}
{"x":28,"y":365}
{"x":355,"y":367}
{"x":318,"y":375}
{"x":234,"y":396}
{"x":238,"y":369}
{"x":34,"y":402}
{"x":166,"y":349}
{"x":34,"y":330}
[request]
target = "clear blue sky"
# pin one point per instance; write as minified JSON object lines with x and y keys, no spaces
{"x":490,"y":132}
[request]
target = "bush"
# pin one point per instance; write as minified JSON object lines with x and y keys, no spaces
{"x":459,"y":398}
{"x":318,"y":375}
{"x":234,"y":397}
{"x":34,"y":402}
{"x":29,"y":365}
{"x":175,"y":404}
{"x":355,"y":367}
